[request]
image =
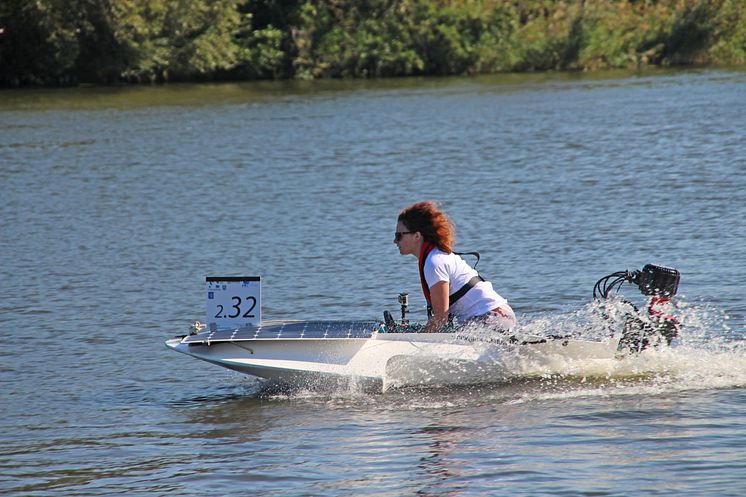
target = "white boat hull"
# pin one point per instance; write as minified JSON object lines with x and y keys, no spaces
{"x":373,"y":360}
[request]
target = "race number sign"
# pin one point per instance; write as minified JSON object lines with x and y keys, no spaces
{"x":233,"y":301}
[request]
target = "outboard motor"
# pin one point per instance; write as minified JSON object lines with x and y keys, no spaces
{"x":640,"y":331}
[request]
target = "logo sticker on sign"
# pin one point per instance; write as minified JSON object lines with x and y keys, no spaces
{"x":233,"y":301}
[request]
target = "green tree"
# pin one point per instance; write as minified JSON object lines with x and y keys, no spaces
{"x":107,"y":41}
{"x":190,"y":39}
{"x":39,"y":42}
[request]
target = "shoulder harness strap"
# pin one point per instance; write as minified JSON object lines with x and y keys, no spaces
{"x":469,"y":284}
{"x":462,"y":291}
{"x":475,"y":254}
{"x":428,"y":247}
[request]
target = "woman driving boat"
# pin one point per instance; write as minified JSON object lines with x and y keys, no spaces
{"x":450,"y":285}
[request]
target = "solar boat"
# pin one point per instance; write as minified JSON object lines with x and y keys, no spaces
{"x":376,"y":355}
{"x":313,"y":354}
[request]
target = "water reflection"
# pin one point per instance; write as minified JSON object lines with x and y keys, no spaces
{"x":440,"y":463}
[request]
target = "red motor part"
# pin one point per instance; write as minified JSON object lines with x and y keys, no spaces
{"x":659,"y":312}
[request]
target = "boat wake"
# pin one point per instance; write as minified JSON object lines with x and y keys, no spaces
{"x":707,"y":354}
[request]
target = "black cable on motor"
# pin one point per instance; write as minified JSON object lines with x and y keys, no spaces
{"x":603,"y":288}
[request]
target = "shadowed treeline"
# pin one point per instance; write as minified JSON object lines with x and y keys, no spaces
{"x":61,"y":42}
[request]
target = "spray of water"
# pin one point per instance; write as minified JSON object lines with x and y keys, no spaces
{"x":705,"y":354}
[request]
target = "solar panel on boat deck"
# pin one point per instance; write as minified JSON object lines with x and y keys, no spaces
{"x":297,"y":329}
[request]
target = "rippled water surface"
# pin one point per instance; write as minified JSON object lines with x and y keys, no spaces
{"x":116,"y":203}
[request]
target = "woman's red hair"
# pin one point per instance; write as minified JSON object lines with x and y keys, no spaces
{"x":433,"y":223}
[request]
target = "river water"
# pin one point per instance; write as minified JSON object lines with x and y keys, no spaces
{"x":116,"y":203}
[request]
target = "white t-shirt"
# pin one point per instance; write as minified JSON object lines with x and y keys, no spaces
{"x":479,"y":300}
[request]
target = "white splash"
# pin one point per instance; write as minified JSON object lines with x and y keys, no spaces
{"x":705,"y":355}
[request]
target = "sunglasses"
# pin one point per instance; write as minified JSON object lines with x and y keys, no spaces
{"x":399,"y":234}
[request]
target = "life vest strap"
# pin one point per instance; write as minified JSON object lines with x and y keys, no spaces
{"x":427,"y":247}
{"x":462,"y":291}
{"x":475,"y":254}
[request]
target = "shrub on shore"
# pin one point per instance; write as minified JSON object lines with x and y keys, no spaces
{"x":53,"y":42}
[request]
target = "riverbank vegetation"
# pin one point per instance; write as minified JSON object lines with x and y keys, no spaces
{"x":61,"y":42}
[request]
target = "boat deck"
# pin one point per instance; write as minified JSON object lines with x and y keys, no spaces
{"x":288,"y":329}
